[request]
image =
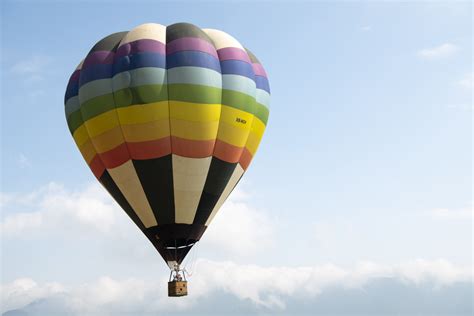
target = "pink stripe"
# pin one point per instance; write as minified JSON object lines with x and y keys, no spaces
{"x":190,"y":43}
{"x":99,"y":57}
{"x":259,"y":71}
{"x":141,"y":46}
{"x":233,"y":53}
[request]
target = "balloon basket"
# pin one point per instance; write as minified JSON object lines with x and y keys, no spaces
{"x":177,"y":288}
{"x":177,"y":285}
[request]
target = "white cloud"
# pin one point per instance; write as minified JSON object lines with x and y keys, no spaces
{"x":366,"y":28}
{"x":266,"y":287}
{"x":247,"y":230}
{"x":55,"y":207}
{"x":467,"y":82}
{"x":32,"y":66}
{"x":466,"y":213}
{"x":23,"y":161}
{"x":438,"y":52}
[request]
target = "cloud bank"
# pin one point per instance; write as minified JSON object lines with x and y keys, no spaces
{"x":253,"y":289}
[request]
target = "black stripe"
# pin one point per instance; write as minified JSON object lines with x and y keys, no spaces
{"x":109,"y":43}
{"x":156,"y":177}
{"x":180,"y":30}
{"x":175,"y":235}
{"x":109,"y":184}
{"x":216,"y":181}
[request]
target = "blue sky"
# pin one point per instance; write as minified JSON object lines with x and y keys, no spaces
{"x":364,"y":174}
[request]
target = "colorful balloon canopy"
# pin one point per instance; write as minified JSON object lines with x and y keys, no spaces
{"x":168,"y":119}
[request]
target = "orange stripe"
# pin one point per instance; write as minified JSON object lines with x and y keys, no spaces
{"x":97,"y":167}
{"x":192,"y":148}
{"x":227,"y":152}
{"x":245,"y":159}
{"x":150,"y":149}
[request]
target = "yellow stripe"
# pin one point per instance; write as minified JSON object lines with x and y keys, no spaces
{"x":194,"y":130}
{"x":143,"y":113}
{"x":80,"y":135}
{"x":235,"y":117}
{"x":147,"y":131}
{"x":108,"y":140}
{"x":195,"y":112}
{"x":87,"y":151}
{"x":255,"y":136}
{"x":102,"y":123}
{"x":233,"y":135}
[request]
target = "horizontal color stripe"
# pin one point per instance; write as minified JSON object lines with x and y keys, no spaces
{"x":108,"y":140}
{"x":94,"y":89}
{"x":141,"y":46}
{"x":192,"y":148}
{"x":72,"y":104}
{"x":192,"y":58}
{"x":227,"y":152}
{"x":115,"y":157}
{"x":195,"y":75}
{"x":143,"y":113}
{"x":97,"y":167}
{"x":261,"y":112}
{"x":263,"y":97}
{"x":237,"y":67}
{"x":102,"y":123}
{"x":98,"y":57}
{"x":194,"y":93}
{"x":140,"y":60}
{"x":71,"y":90}
{"x":180,"y":30}
{"x":141,"y":95}
{"x":239,"y":83}
{"x":150,"y":149}
{"x":81,"y":135}
{"x":233,"y":135}
{"x":191,"y":43}
{"x":146,"y":131}
{"x":259,"y":71}
{"x":194,"y":112}
{"x":262,"y":83}
{"x":88,"y":151}
{"x":139,"y":77}
{"x":233,"y":53}
{"x":95,"y":72}
{"x":245,"y":159}
{"x":194,"y":130}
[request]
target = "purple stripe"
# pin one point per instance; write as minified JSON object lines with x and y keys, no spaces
{"x":99,"y":57}
{"x":233,"y":53}
{"x":141,"y":46}
{"x":75,"y":76}
{"x":190,"y":43}
{"x":259,"y":71}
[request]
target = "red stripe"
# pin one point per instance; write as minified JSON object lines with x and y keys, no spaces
{"x":227,"y":152}
{"x":115,"y":157}
{"x":245,"y":159}
{"x":150,"y":149}
{"x":97,"y":167}
{"x":192,"y":148}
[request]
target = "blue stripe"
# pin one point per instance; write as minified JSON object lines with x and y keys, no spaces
{"x":71,"y":90}
{"x":237,"y":67}
{"x":94,"y":72}
{"x":192,"y":58}
{"x":262,"y":83}
{"x":139,"y":60}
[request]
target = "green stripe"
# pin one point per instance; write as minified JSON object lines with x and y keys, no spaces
{"x":194,"y":93}
{"x":155,"y":93}
{"x":74,"y":120}
{"x":262,"y":113}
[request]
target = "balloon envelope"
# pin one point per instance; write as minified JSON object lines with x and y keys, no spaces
{"x":168,"y":119}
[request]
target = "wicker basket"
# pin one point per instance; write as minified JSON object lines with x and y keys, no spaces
{"x":177,"y":288}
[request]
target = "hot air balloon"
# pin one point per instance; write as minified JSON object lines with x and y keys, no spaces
{"x":168,"y":119}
